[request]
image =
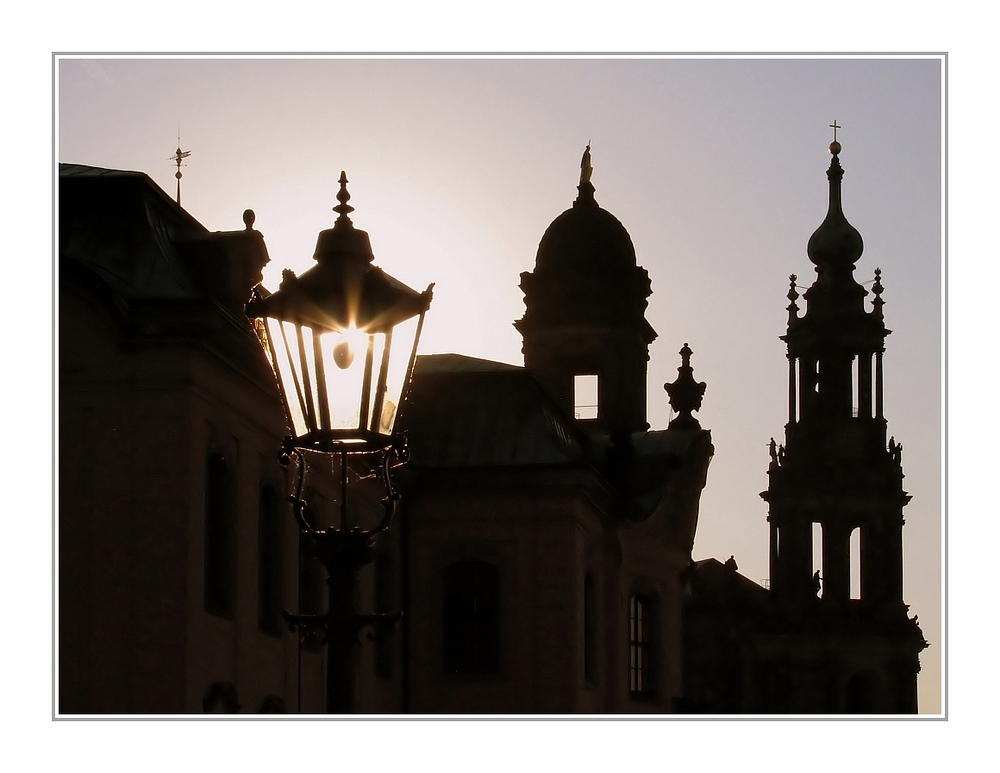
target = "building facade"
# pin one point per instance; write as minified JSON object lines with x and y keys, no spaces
{"x":177,"y":550}
{"x":545,"y":526}
{"x":541,"y":558}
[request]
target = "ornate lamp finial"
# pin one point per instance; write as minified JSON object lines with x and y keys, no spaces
{"x":685,"y":394}
{"x":343,"y":197}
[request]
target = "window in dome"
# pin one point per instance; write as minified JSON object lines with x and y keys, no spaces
{"x":585,"y":397}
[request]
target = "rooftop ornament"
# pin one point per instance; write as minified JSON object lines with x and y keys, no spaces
{"x":685,"y":393}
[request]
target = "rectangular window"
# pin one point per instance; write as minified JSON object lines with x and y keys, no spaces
{"x":855,"y":544}
{"x":270,"y":548}
{"x":639,"y":646}
{"x":585,"y":397}
{"x":855,"y":387}
{"x":471,"y":612}
{"x":817,"y":556}
{"x":220,"y":537}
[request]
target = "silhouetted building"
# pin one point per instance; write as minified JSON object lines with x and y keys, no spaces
{"x":542,"y":556}
{"x":545,"y":527}
{"x":833,"y":638}
{"x":177,"y":549}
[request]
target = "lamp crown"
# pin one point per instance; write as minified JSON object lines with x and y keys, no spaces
{"x":343,"y":196}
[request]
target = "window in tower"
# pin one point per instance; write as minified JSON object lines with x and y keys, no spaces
{"x":585,"y":397}
{"x":817,"y":553}
{"x":856,"y":563}
{"x":855,"y":388}
{"x":639,"y":649}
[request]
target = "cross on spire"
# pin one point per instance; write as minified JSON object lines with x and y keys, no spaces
{"x":834,"y":126}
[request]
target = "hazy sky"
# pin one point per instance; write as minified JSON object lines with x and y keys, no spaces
{"x":715,"y":166}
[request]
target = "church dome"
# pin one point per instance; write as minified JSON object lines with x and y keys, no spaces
{"x":585,"y":270}
{"x":586,"y":239}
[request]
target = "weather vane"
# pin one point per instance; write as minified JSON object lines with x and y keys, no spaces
{"x":179,"y":156}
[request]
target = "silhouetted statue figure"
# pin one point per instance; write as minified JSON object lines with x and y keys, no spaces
{"x":731,"y":564}
{"x":586,"y":169}
{"x":816,"y":583}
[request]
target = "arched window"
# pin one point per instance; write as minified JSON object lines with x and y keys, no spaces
{"x":270,"y":549}
{"x":220,"y":537}
{"x":471,"y":618}
{"x":639,"y":645}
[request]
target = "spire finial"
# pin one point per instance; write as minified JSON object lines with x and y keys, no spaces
{"x":836,"y":243}
{"x":177,"y":158}
{"x":792,"y":296}
{"x":877,"y":289}
{"x":835,"y":146}
{"x":343,"y":197}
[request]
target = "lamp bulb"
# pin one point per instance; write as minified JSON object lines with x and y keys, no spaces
{"x":343,"y":355}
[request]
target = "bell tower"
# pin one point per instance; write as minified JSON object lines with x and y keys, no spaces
{"x":836,"y":479}
{"x":585,"y":334}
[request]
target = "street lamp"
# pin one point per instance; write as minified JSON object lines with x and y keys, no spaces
{"x":342,"y":339}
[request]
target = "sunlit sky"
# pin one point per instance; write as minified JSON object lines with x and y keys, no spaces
{"x":715,"y":166}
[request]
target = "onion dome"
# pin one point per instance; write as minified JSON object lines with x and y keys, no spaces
{"x":835,"y":316}
{"x":836,"y":243}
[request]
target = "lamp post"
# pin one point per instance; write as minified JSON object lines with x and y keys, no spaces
{"x":342,"y":339}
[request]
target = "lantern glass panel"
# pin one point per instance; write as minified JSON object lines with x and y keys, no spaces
{"x":378,"y":353}
{"x":343,"y":367}
{"x":281,"y":338}
{"x":400,"y":352}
